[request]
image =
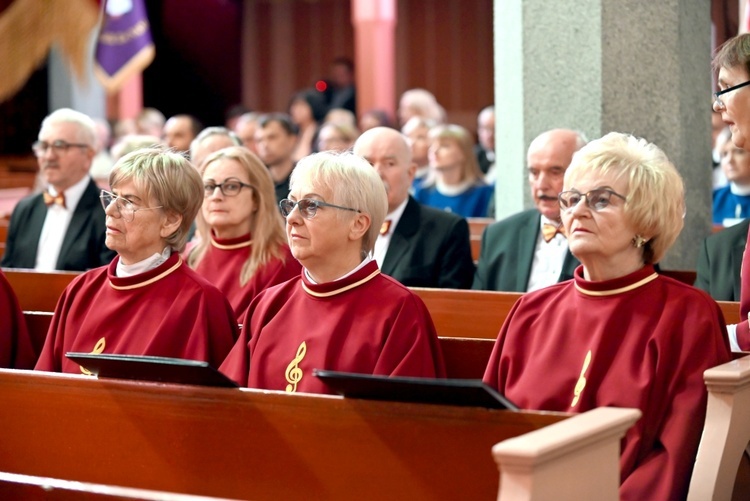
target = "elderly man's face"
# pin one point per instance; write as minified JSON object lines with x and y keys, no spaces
{"x":388,"y":152}
{"x":736,"y":109}
{"x":62,"y":168}
{"x":548,"y":157}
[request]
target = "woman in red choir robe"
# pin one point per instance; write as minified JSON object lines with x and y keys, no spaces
{"x":16,"y":350}
{"x":341,"y":313}
{"x":146,"y":301}
{"x":619,"y":334}
{"x":245,"y":249}
{"x":733,"y":102}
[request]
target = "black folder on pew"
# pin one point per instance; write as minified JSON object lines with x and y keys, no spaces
{"x":461,"y":392}
{"x":148,"y":368}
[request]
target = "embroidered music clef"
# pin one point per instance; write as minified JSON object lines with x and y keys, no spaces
{"x":581,"y":384}
{"x":293,"y":373}
{"x":98,"y":348}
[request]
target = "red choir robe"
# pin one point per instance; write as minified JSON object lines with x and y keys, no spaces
{"x":639,"y":341}
{"x":366,"y":323}
{"x":222,"y":265}
{"x":743,"y":328}
{"x":169,"y":311}
{"x":16,"y":350}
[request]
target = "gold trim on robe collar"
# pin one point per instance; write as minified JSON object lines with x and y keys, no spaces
{"x":343,"y":289}
{"x":232,"y":246}
{"x":612,"y":292}
{"x":147,"y":282}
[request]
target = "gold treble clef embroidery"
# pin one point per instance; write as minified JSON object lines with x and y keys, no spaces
{"x":293,"y":373}
{"x":581,"y":384}
{"x":98,"y":348}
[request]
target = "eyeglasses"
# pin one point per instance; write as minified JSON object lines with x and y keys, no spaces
{"x":308,"y":207}
{"x":230,"y":187}
{"x":125,"y":207}
{"x":58,"y":147}
{"x":717,"y":99}
{"x":596,"y":200}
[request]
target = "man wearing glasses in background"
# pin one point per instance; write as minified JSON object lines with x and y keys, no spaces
{"x":63,"y":227}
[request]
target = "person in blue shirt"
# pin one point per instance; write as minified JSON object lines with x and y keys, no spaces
{"x":731,"y":203}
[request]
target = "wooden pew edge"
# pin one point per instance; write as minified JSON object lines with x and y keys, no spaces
{"x":52,"y":487}
{"x":540,"y":464}
{"x":726,"y":431}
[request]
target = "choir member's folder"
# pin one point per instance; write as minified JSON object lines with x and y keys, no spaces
{"x":146,"y":368}
{"x":462,"y":392}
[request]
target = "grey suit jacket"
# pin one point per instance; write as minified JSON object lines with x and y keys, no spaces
{"x":720,"y":262}
{"x":508,"y":253}
{"x":83,"y":245}
{"x":430,"y":248}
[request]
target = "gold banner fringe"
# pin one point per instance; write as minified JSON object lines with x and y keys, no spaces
{"x":28,"y":28}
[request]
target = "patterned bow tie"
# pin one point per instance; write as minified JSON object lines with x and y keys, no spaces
{"x":49,"y":199}
{"x":385,"y":227}
{"x":550,"y":230}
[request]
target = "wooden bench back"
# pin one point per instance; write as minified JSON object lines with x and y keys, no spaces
{"x":249,"y":444}
{"x":38,"y":291}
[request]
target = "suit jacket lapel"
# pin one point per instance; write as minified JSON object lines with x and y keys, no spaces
{"x":407,"y":226}
{"x":79,"y":220}
{"x":527,"y":237}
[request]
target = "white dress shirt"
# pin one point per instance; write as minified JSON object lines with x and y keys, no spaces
{"x":548,"y":259}
{"x":383,"y":241}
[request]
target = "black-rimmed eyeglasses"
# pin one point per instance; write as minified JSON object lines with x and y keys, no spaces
{"x":40,"y":147}
{"x":717,"y":95}
{"x":230,"y":187}
{"x":125,"y":207}
{"x":308,"y":207}
{"x":596,"y":200}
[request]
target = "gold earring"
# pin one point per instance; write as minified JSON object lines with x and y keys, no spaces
{"x":638,"y":241}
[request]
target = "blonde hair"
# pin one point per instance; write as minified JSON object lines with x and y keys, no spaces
{"x":267,"y":226}
{"x":352,"y":182}
{"x":470,"y":170}
{"x":655,"y":203}
{"x":167,"y":178}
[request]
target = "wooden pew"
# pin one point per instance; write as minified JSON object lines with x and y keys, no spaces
{"x":476,"y":230}
{"x":14,"y":486}
{"x":249,"y":444}
{"x":37,"y":323}
{"x":38,"y":291}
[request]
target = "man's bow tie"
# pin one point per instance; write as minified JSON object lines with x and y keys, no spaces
{"x":385,"y":227}
{"x":550,"y":230}
{"x":59,"y":199}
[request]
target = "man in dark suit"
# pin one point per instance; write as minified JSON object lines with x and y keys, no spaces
{"x":528,"y":251}
{"x":64,"y":227}
{"x":485,"y":149}
{"x":418,"y":246}
{"x":720,"y":261}
{"x":275,"y":139}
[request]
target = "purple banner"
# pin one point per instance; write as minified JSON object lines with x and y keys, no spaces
{"x":124,"y":37}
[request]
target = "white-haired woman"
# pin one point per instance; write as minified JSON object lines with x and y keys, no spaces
{"x":341,"y":313}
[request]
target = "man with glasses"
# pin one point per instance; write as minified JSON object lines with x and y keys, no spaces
{"x":528,"y":251}
{"x":63,"y":227}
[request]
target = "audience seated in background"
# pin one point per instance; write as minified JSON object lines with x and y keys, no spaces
{"x":209,"y":140}
{"x":307,"y":110}
{"x":455,"y":183}
{"x":619,"y":334}
{"x":718,"y":179}
{"x":245,"y":250}
{"x":334,"y":136}
{"x":102,"y":162}
{"x":147,"y":301}
{"x":130,"y":143}
{"x":417,"y":129}
{"x":341,"y":116}
{"x":246,"y":128}
{"x":342,"y":313}
{"x":233,"y":114}
{"x":720,"y":262}
{"x":418,"y":245}
{"x":275,"y":140}
{"x":180,"y":130}
{"x":150,"y":122}
{"x":528,"y":250}
{"x":374,"y":118}
{"x":342,"y":91}
{"x":16,"y":350}
{"x":731,"y":203}
{"x":419,"y":103}
{"x":485,"y":148}
{"x":63,"y":227}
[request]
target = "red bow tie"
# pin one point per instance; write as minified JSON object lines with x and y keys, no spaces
{"x":550,"y":230}
{"x":59,"y":199}
{"x":385,"y":227}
